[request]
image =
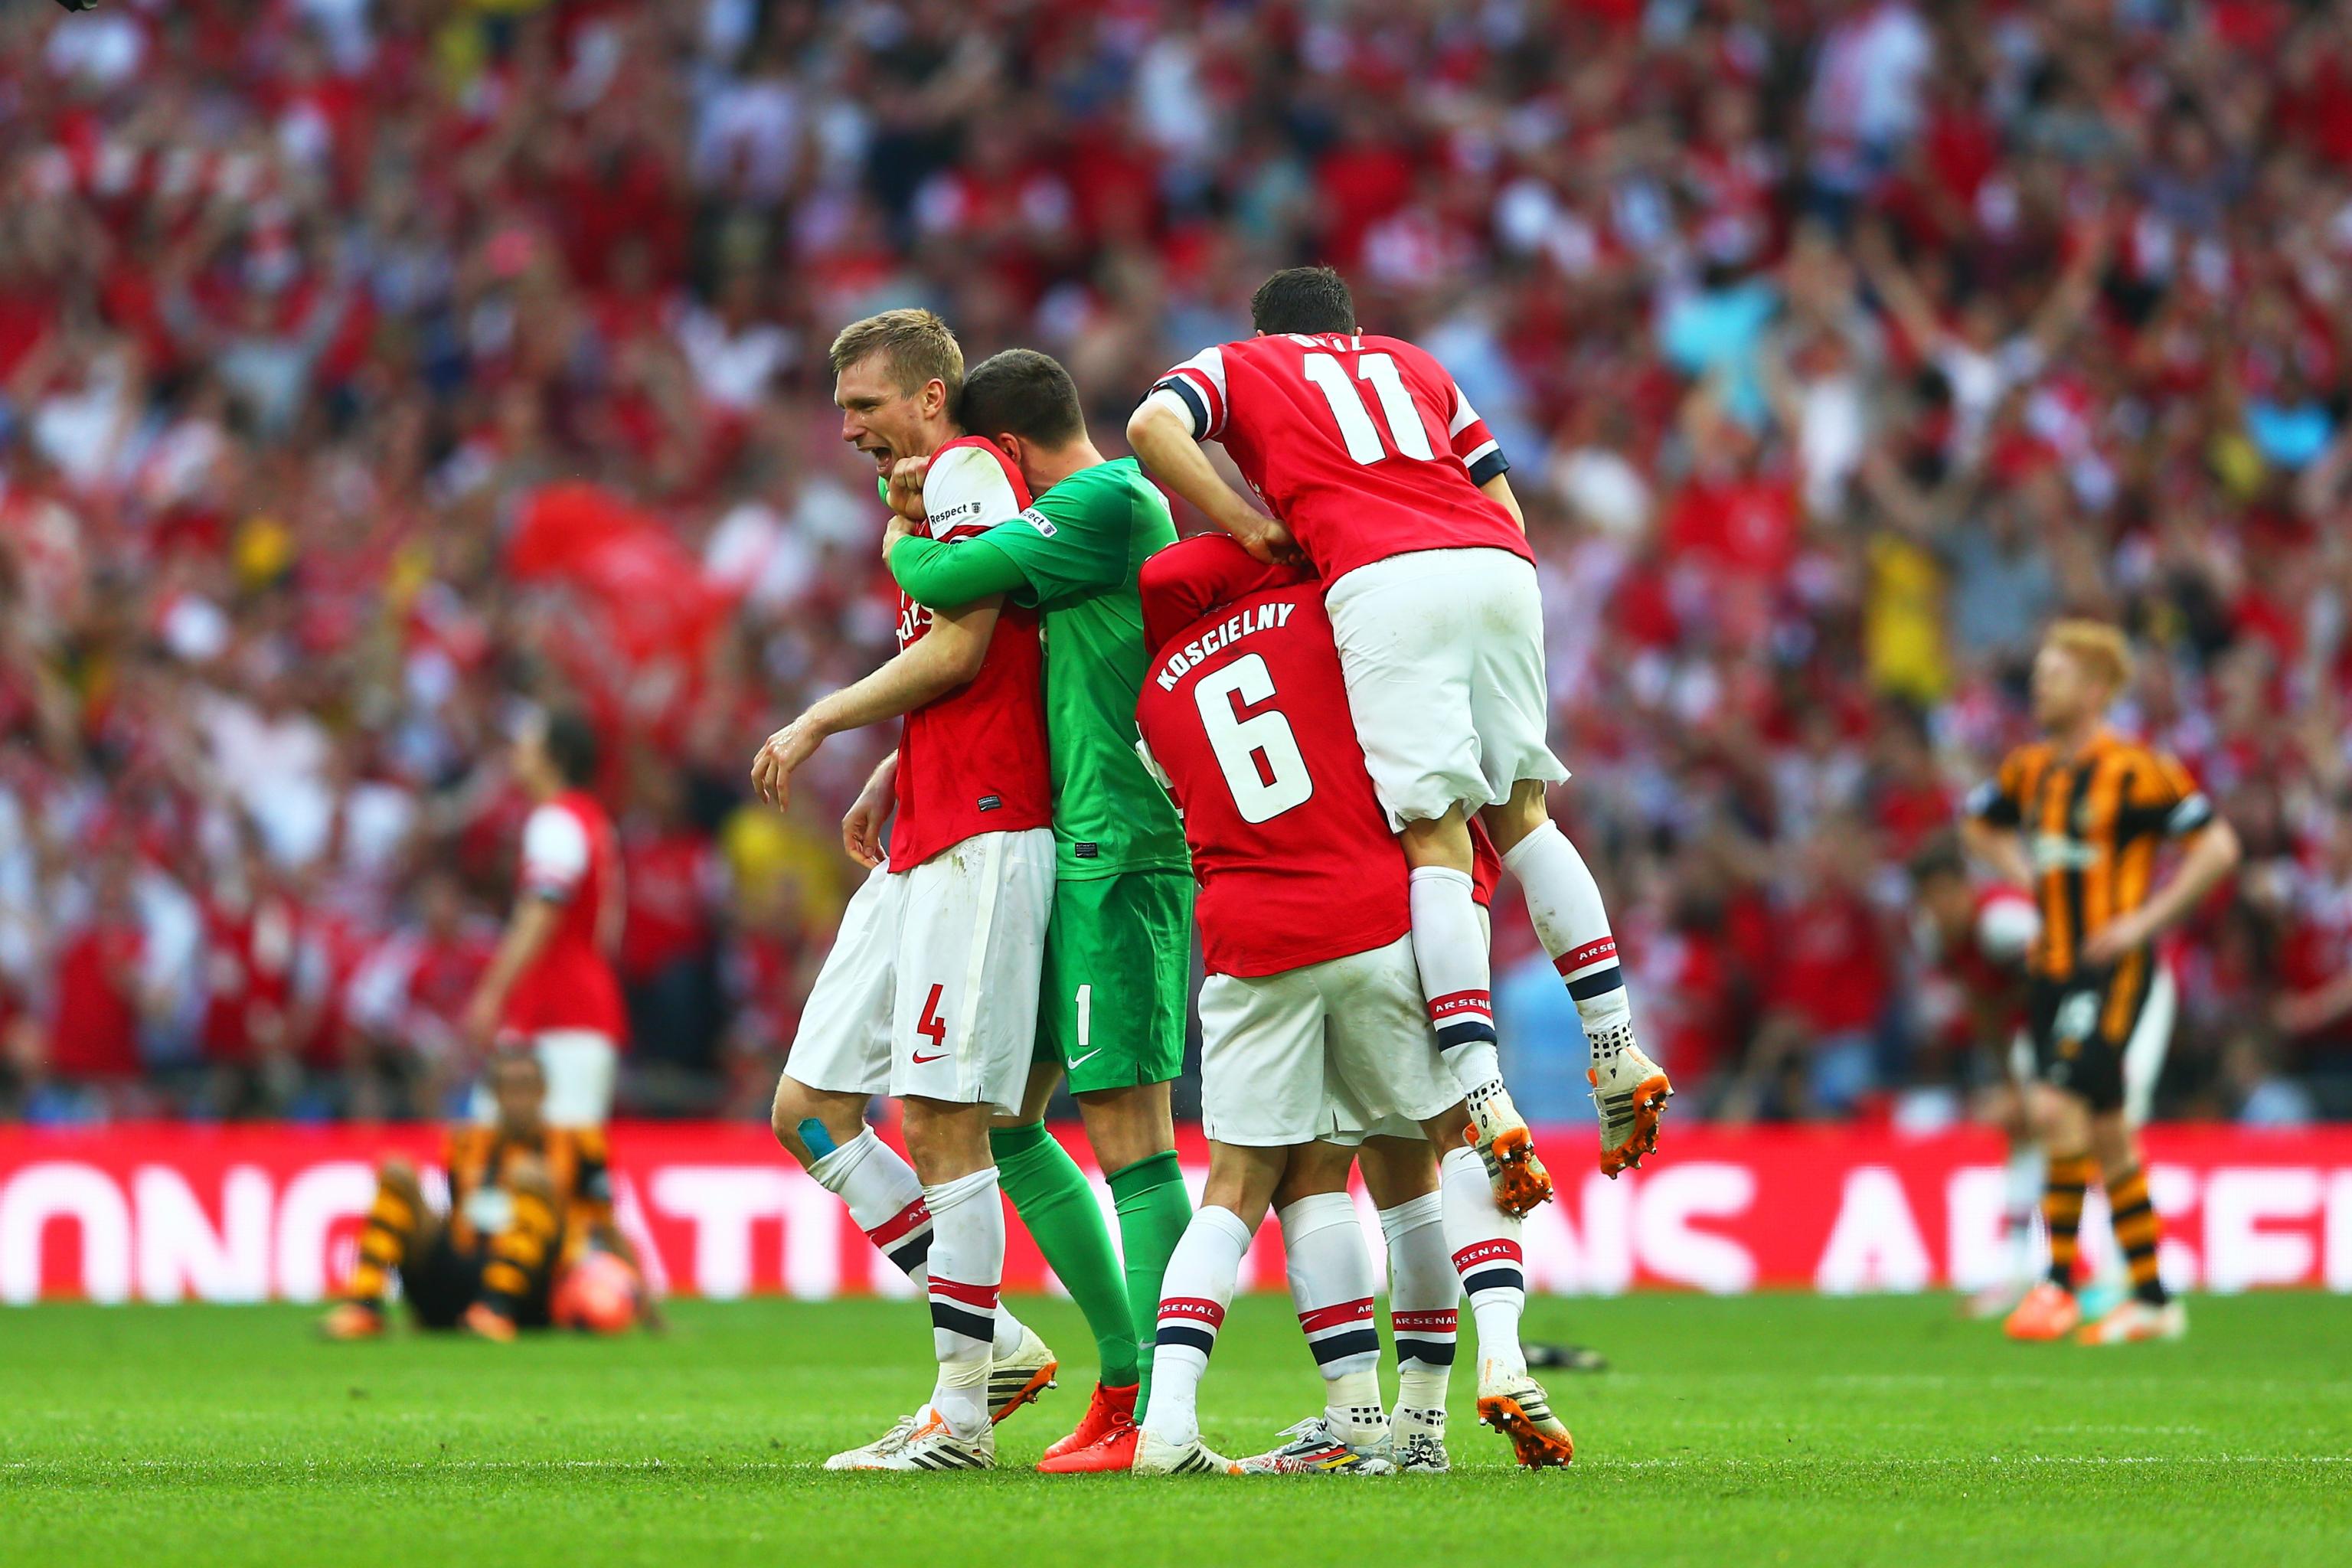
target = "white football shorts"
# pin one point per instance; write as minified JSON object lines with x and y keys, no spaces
{"x":931,"y":990}
{"x":1315,"y":1051}
{"x":1443,"y":651}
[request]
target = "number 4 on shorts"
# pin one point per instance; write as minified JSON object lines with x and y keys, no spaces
{"x":932,"y":1025}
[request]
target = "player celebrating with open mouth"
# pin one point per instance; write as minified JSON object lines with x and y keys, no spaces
{"x":1118,"y":950}
{"x":1385,"y":477}
{"x":930,"y":992}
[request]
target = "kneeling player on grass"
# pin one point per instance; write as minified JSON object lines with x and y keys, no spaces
{"x":526,"y":1200}
{"x":1311,"y":1017}
{"x":1379,"y":472}
{"x":1117,"y":958}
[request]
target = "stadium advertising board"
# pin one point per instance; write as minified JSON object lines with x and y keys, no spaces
{"x":168,"y":1212}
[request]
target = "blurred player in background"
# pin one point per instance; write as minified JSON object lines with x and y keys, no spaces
{"x":2079,"y":815}
{"x":528,"y":1199}
{"x":1118,"y":963}
{"x":1977,"y":938}
{"x":551,"y":984}
{"x":1381,"y":474}
{"x":930,"y":992}
{"x":1313,"y":1026}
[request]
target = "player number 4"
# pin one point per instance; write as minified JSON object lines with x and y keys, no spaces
{"x":930,"y":1025}
{"x":1261,"y":790}
{"x":1355,"y":427}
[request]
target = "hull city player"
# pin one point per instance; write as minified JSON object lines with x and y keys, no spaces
{"x":1383,"y":475}
{"x":2080,"y":815}
{"x":1312,"y":1020}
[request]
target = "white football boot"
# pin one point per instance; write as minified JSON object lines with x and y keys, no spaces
{"x":1516,"y":1407}
{"x":1316,"y":1449}
{"x":931,"y":1444}
{"x":1018,"y":1379}
{"x":1417,"y":1442}
{"x":863,"y":1458}
{"x":2135,"y":1321}
{"x":1629,"y":1091}
{"x":1156,"y":1456}
{"x":1507,"y":1149}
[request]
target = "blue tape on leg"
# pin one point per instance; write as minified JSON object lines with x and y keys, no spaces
{"x":815,"y":1139}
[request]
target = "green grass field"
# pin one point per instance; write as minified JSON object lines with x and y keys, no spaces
{"x":1767,"y":1429}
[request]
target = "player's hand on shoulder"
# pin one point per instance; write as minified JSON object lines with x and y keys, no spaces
{"x":1268,"y":541}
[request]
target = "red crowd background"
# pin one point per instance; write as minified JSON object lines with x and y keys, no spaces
{"x":372,"y":369}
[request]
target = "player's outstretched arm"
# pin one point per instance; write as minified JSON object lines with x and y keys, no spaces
{"x":947,"y":655}
{"x":943,"y":574}
{"x":1162,"y":437}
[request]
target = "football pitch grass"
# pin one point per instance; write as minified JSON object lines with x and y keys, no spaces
{"x":1764,"y":1429}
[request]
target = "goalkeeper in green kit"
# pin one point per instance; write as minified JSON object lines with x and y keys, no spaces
{"x":1113,"y":987}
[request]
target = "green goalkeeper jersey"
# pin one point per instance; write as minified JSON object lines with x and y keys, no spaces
{"x":1073,"y":555}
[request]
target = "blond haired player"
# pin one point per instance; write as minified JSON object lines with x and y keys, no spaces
{"x":2079,"y":815}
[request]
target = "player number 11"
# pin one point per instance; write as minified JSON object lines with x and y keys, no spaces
{"x":1355,"y":427}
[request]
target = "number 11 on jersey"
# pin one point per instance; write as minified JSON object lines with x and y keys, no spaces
{"x":1355,"y":427}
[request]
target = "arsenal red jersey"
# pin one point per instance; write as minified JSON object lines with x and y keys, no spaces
{"x":974,"y":761}
{"x":1362,"y":446}
{"x":569,"y":859}
{"x":1246,"y":717}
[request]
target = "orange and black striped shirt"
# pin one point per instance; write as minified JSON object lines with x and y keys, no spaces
{"x":480,"y":1158}
{"x":2092,"y":824}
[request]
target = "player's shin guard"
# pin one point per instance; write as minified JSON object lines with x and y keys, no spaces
{"x":1331,"y":1286}
{"x":967,"y":1271}
{"x":1449,"y":945}
{"x":1195,"y":1291}
{"x":1056,"y":1205}
{"x":391,"y":1221}
{"x":1153,"y":1210}
{"x":885,"y":1197}
{"x":2070,"y":1176}
{"x":1424,"y":1297}
{"x":1564,"y":902}
{"x":2137,"y":1231}
{"x":1484,"y":1245}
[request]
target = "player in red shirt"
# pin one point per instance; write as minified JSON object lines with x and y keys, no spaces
{"x":1385,"y":477}
{"x":930,"y":992}
{"x":551,"y":981}
{"x":1311,"y":1017}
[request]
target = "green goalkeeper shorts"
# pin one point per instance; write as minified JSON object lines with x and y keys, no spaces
{"x":1117,"y":976}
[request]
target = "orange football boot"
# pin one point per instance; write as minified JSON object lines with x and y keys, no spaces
{"x":352,"y":1320}
{"x":486,"y":1321}
{"x":1110,"y":1408}
{"x":2046,"y":1314}
{"x":1114,"y":1450}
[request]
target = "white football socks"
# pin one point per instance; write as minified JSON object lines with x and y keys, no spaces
{"x":1564,"y":901}
{"x":967,"y":1272}
{"x":1331,"y":1286}
{"x":886,"y":1199}
{"x":1449,"y":945}
{"x":1485,"y":1246}
{"x":1194,"y":1292}
{"x":1425,"y":1302}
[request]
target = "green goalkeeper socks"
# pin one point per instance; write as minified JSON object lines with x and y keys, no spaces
{"x":1153,"y":1210}
{"x":1056,"y":1203}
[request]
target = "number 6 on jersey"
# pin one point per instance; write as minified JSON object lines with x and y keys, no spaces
{"x":1259,"y":755}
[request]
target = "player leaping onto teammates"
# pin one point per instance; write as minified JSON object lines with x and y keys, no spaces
{"x":2080,"y":815}
{"x":1312,"y":1027}
{"x":1383,"y":476}
{"x":1118,"y":952}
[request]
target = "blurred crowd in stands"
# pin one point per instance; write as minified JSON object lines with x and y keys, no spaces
{"x":1838,"y":346}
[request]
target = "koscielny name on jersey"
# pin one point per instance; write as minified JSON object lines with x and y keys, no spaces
{"x":1224,"y":635}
